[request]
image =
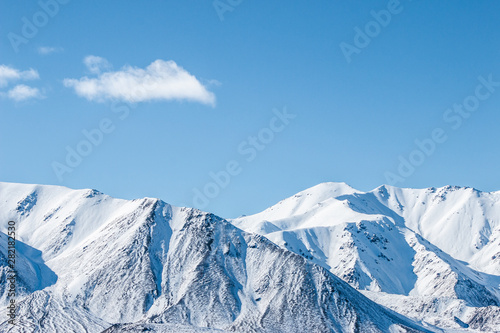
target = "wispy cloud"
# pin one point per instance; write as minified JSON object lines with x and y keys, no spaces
{"x":161,"y":80}
{"x":23,"y":92}
{"x":9,"y":74}
{"x":45,"y":50}
{"x":96,"y":64}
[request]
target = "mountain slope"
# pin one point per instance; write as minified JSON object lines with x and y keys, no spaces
{"x":437,"y":245}
{"x":119,"y":265}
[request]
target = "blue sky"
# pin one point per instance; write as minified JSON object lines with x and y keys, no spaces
{"x":353,"y":116}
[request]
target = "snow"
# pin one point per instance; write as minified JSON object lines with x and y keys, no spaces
{"x":432,"y":244}
{"x":106,"y":264}
{"x":88,"y":262}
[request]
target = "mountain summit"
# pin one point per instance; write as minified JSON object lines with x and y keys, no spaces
{"x":91,"y":263}
{"x":430,"y":254}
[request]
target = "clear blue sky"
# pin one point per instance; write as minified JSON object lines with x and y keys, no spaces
{"x":353,"y":120}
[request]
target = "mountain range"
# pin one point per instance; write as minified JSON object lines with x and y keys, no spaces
{"x":328,"y":259}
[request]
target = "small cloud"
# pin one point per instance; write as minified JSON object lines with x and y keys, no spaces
{"x":161,"y":80}
{"x":23,"y":92}
{"x":96,"y":65}
{"x":8,"y":74}
{"x":20,"y":92}
{"x":213,"y":82}
{"x":45,"y":50}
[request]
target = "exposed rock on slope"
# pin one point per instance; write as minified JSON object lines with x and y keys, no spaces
{"x":434,"y":250}
{"x":145,"y":264}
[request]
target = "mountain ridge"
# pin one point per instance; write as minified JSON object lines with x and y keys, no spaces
{"x":148,"y":264}
{"x":435,"y":243}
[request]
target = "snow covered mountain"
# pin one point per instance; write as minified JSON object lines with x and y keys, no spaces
{"x":91,"y":263}
{"x":431,"y":254}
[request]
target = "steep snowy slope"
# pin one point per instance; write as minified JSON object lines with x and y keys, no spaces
{"x":437,"y":245}
{"x":32,"y":273}
{"x":117,"y":265}
{"x":463,"y":222}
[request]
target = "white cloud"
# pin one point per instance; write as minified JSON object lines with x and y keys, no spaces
{"x":161,"y":80}
{"x":45,"y":50}
{"x":8,"y":74}
{"x":22,"y":92}
{"x":96,"y":64}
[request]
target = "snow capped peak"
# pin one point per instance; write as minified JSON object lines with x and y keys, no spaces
{"x":303,"y":201}
{"x":430,"y":254}
{"x":101,"y":260}
{"x":328,"y":190}
{"x":433,"y":244}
